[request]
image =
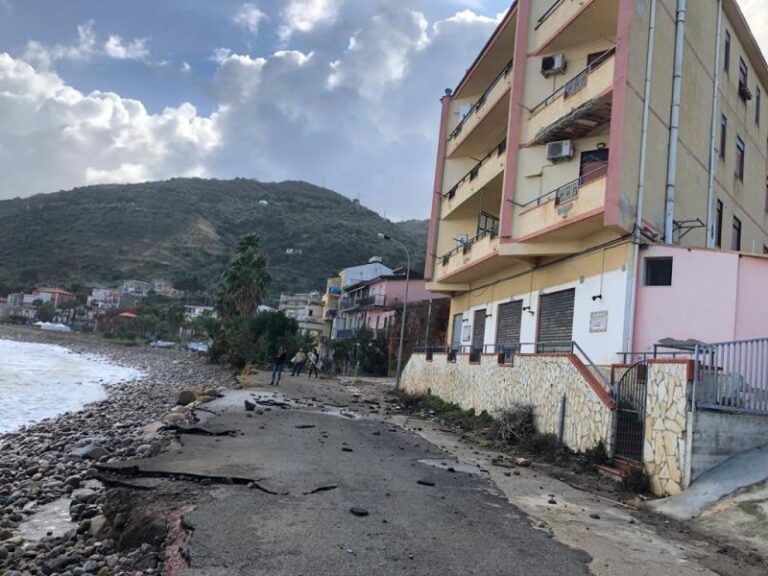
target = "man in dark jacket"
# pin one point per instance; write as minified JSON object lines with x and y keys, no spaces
{"x":277,"y":370}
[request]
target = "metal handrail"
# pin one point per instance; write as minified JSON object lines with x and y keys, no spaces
{"x":481,"y":101}
{"x":472,"y":174}
{"x":551,"y":10}
{"x":585,"y":72}
{"x":588,"y":361}
{"x":578,"y":183}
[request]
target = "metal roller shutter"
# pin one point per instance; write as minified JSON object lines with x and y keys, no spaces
{"x":556,"y":318}
{"x":458,"y":320}
{"x":478,"y":330}
{"x":508,"y":329}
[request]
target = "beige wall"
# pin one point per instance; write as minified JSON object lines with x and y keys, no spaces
{"x":747,"y":200}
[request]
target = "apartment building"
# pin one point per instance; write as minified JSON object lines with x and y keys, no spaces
{"x":307,"y":310}
{"x":584,"y":131}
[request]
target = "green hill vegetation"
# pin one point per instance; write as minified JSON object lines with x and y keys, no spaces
{"x":185,"y":230}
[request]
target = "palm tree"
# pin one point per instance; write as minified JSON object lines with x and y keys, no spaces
{"x":244,"y":284}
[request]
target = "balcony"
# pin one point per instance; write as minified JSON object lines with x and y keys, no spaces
{"x":469,"y":259}
{"x":481,"y":175}
{"x":578,"y":108}
{"x":580,"y":201}
{"x":330,"y":314}
{"x":487,"y":110}
{"x":349,"y":303}
{"x":566,"y":23}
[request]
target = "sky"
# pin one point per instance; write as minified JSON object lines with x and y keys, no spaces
{"x":340,"y":93}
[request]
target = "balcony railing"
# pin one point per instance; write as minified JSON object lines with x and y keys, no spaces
{"x":466,"y":247}
{"x":567,"y":192}
{"x":472,"y":174}
{"x":371,"y":301}
{"x":481,"y":101}
{"x":551,"y":10}
{"x":575,"y":84}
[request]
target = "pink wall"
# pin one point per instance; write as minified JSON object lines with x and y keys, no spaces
{"x":715,"y":297}
{"x":752,"y":309}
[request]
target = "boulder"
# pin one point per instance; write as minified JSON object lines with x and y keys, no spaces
{"x":91,"y":452}
{"x":186,"y":397}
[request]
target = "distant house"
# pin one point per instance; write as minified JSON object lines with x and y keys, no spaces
{"x":55,"y":296}
{"x":307,"y":310}
{"x":105,"y":298}
{"x":136,"y":287}
{"x":193,"y":311}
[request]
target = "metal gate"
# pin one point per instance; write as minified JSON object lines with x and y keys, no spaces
{"x":631,"y":394}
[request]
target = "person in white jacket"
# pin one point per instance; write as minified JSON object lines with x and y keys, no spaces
{"x":298,"y":362}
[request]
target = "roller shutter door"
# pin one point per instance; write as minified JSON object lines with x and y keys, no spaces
{"x":556,"y":319}
{"x":508,"y":328}
{"x":478,"y":330}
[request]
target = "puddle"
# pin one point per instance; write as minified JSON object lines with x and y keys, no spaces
{"x":455,"y":466}
{"x":51,"y":519}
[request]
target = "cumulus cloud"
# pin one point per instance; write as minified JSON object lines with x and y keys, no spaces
{"x":116,"y":47}
{"x":85,"y":48}
{"x":354,"y":104}
{"x":305,"y":15}
{"x":249,"y":17}
{"x":55,"y":137}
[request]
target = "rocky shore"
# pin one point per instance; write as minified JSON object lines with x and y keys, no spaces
{"x":51,"y":462}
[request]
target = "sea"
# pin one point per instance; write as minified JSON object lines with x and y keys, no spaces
{"x":39,"y":381}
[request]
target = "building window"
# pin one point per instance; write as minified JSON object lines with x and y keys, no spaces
{"x":740,"y":153}
{"x":487,"y":224}
{"x":723,"y":134}
{"x":757,"y":106}
{"x":744,"y":81}
{"x":736,"y":235}
{"x":727,"y":55}
{"x":719,"y":231}
{"x":658,"y":271}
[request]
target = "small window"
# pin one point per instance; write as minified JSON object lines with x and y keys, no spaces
{"x":740,"y":153}
{"x":723,"y":135}
{"x":757,"y":106}
{"x":658,"y":271}
{"x":744,"y":92}
{"x":736,"y":235}
{"x":727,"y":55}
{"x":719,"y":231}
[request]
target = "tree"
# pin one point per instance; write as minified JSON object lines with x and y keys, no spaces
{"x":46,"y":312}
{"x":244,"y":284}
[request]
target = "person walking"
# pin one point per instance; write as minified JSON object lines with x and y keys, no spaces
{"x":277,"y":370}
{"x":314,"y":364}
{"x":298,"y":362}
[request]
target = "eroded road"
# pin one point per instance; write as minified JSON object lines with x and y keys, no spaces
{"x":418,"y":511}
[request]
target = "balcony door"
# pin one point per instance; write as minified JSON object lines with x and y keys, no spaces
{"x":478,"y":331}
{"x":594,"y":164}
{"x":458,"y":323}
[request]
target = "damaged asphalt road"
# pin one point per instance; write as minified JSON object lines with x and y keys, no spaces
{"x":344,"y":496}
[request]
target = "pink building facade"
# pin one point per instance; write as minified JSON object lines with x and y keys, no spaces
{"x":373,"y":304}
{"x":713,"y":296}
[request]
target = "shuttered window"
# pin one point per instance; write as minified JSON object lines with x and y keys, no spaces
{"x":556,"y":320}
{"x":458,"y":320}
{"x":508,"y":326}
{"x":478,"y":330}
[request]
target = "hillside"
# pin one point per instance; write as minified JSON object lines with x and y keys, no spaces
{"x":185,"y":228}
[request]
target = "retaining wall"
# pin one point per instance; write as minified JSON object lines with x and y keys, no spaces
{"x":540,"y":381}
{"x":719,"y":435}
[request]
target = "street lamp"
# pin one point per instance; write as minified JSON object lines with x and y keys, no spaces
{"x":405,"y":305}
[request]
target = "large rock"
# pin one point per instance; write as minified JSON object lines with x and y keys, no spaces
{"x":186,"y":397}
{"x":91,"y":451}
{"x":97,"y":525}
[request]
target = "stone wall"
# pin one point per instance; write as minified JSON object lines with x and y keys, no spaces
{"x":536,"y":380}
{"x":666,"y":419}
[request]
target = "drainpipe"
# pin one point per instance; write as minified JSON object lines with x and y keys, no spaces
{"x":713,"y":133}
{"x":674,"y":122}
{"x":632,"y":270}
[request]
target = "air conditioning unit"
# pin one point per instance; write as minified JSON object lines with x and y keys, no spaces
{"x":553,"y":65}
{"x":560,"y":151}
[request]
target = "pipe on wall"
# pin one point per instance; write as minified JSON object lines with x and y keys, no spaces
{"x":674,"y":122}
{"x":632,"y":270}
{"x":713,"y":132}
